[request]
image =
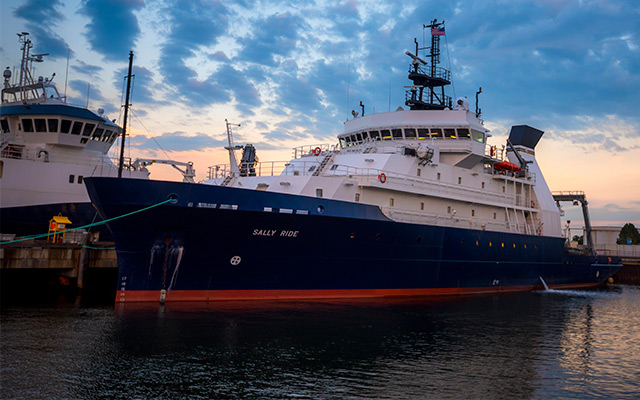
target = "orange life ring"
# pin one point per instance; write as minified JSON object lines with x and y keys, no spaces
{"x":317,"y":151}
{"x":533,"y":204}
{"x":382,"y":177}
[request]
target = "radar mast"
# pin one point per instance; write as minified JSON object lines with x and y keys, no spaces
{"x":429,"y":80}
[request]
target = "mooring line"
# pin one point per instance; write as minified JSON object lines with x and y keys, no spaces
{"x":22,"y":239}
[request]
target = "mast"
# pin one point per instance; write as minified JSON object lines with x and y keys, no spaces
{"x":428,"y":75}
{"x":126,"y":114}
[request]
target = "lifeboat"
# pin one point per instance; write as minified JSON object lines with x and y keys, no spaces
{"x":506,"y":166}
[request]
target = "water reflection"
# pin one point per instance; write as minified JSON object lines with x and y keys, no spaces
{"x":534,"y":345}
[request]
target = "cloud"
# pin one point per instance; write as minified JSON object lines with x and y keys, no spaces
{"x":142,"y":87}
{"x":191,"y":25}
{"x":84,"y":68}
{"x":177,"y":141}
{"x":42,"y":17}
{"x":82,"y":88}
{"x":113,"y":26}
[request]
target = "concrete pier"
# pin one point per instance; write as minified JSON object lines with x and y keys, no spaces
{"x":37,"y":264}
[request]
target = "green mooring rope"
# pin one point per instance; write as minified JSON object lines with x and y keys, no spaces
{"x":87,"y":226}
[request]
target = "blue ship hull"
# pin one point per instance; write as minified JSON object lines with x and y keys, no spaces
{"x":214,"y":242}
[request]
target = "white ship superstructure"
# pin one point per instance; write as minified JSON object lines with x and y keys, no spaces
{"x":47,"y":148}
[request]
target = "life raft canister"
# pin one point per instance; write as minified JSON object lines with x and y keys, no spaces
{"x":382,"y":177}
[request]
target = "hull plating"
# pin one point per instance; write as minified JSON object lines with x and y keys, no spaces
{"x":218,"y":243}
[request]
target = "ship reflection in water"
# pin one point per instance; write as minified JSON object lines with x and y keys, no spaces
{"x":569,"y":344}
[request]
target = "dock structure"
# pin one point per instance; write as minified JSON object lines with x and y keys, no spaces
{"x":68,"y":262}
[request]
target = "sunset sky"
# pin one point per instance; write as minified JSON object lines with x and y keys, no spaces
{"x":290,"y":72}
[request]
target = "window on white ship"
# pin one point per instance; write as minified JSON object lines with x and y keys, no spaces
{"x":477,"y":136}
{"x":391,"y":201}
{"x":107,"y":136}
{"x":357,"y":196}
{"x":27,"y":125}
{"x":375,"y":135}
{"x":503,"y":190}
{"x":483,"y":185}
{"x":1,"y":168}
{"x":114,"y":136}
{"x":84,"y":140}
{"x":80,"y":179}
{"x":365,"y":135}
{"x":88,"y":128}
{"x":436,"y":132}
{"x":463,"y":133}
{"x":77,"y":128}
{"x":347,"y":140}
{"x":473,"y":213}
{"x":438,"y":176}
{"x":494,"y":215}
{"x":40,"y":124}
{"x":53,"y":125}
{"x":354,"y":140}
{"x":421,"y":206}
{"x":359,"y":137}
{"x":97,"y":134}
{"x":318,"y":192}
{"x":459,"y":180}
{"x":419,"y":171}
{"x":343,"y":143}
{"x":410,"y":133}
{"x":448,"y":209}
{"x":397,"y":133}
{"x":450,"y":133}
{"x":334,"y":167}
{"x":71,"y":178}
{"x":423,"y":133}
{"x":65,"y":126}
{"x":386,"y":134}
{"x":5,"y":125}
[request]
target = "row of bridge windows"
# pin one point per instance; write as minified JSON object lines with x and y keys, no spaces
{"x":87,"y":130}
{"x":411,"y":134}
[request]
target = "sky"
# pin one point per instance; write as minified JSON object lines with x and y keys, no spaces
{"x":290,"y":72}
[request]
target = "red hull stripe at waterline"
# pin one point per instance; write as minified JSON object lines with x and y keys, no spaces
{"x":230,"y":295}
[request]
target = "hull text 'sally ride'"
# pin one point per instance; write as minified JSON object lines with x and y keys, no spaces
{"x":410,"y":202}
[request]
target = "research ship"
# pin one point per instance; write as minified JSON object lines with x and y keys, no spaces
{"x":47,"y":148}
{"x":413,"y":202}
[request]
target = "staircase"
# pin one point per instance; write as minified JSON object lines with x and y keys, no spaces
{"x":323,"y":164}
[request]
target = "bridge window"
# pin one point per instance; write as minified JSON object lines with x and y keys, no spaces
{"x":397,"y":133}
{"x":436,"y":132}
{"x":386,"y":134}
{"x":365,"y":135}
{"x":343,"y":143}
{"x":114,"y":136}
{"x":5,"y":125}
{"x":77,"y":128}
{"x":88,"y":128}
{"x":347,"y":140}
{"x":477,"y":136}
{"x":71,"y":178}
{"x":354,"y":140}
{"x":359,"y":137}
{"x":410,"y":133}
{"x":463,"y":133}
{"x":450,"y":133}
{"x":97,"y":134}
{"x":41,"y":124}
{"x":65,"y":126}
{"x":106,"y":136}
{"x":27,"y":125}
{"x":375,"y":135}
{"x":423,"y":133}
{"x":53,"y":125}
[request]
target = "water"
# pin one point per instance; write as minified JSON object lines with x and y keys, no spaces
{"x":548,"y":344}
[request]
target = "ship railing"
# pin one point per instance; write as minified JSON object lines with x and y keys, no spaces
{"x":4,"y":140}
{"x":568,"y":193}
{"x":314,"y":150}
{"x":267,"y":168}
{"x":433,"y":72}
{"x":427,"y":218}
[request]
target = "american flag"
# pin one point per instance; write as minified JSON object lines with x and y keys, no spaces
{"x":435,"y":31}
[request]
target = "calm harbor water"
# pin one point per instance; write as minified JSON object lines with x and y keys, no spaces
{"x":568,"y":344}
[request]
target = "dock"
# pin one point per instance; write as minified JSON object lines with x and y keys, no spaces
{"x":35,"y":265}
